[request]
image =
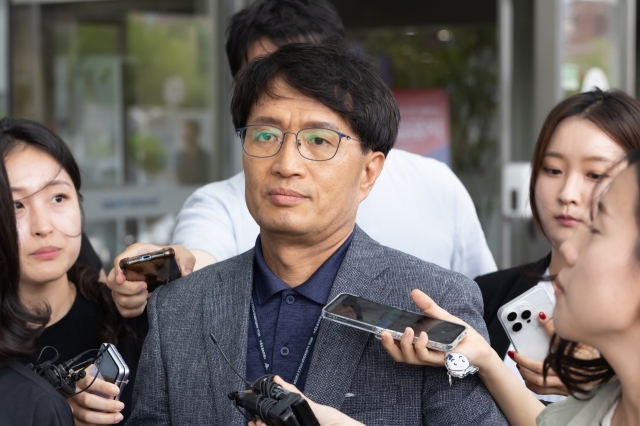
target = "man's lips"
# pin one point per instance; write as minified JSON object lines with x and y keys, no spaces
{"x":281,"y":196}
{"x":46,"y":253}
{"x":567,"y":220}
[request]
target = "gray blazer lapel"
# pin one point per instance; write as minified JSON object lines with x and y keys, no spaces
{"x":339,"y":348}
{"x":225,"y":315}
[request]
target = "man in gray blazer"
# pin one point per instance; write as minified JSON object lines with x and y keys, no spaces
{"x":264,"y":306}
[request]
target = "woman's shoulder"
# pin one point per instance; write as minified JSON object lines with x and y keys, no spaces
{"x":583,"y":410}
{"x":515,"y":273}
{"x":24,"y":391}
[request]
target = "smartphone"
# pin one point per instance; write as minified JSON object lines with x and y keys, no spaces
{"x":156,"y":268}
{"x":520,"y":320}
{"x":375,"y":318}
{"x":111,"y":368}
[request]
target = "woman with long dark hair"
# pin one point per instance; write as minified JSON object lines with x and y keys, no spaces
{"x":45,"y":182}
{"x":27,"y":399}
{"x":579,"y":140}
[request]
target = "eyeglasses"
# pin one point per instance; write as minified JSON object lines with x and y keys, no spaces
{"x":264,"y":141}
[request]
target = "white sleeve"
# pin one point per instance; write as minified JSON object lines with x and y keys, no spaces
{"x":472,"y":256}
{"x":215,"y":219}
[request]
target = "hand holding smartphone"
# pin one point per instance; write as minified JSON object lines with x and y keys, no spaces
{"x":111,"y":368}
{"x":375,"y":318}
{"x":155,"y":268}
{"x":519,"y":319}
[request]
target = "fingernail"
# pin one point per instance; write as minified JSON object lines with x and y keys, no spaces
{"x":118,"y":418}
{"x":187,"y":272}
{"x":115,"y":390}
{"x":542,"y":316}
{"x":511,"y":354}
{"x":517,"y":366}
{"x":119,"y":406}
{"x":422,"y":333}
{"x":143,"y":286}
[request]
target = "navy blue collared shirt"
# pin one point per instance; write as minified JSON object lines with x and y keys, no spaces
{"x":287,"y":317}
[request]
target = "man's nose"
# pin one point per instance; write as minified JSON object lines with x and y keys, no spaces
{"x":289,"y":162}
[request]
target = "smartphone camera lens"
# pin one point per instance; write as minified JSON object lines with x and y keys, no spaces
{"x":512,"y":316}
{"x":526,"y":314}
{"x":517,"y":327}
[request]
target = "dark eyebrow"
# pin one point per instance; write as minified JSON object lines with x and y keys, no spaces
{"x":52,"y":183}
{"x":600,"y":159}
{"x":590,"y":158}
{"x":263,"y":119}
{"x":320,"y":125}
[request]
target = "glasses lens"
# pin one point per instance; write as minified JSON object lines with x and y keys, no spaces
{"x":261,"y":141}
{"x":318,"y":144}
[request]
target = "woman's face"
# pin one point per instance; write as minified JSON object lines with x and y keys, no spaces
{"x":47,"y":215}
{"x":578,"y":155}
{"x":598,"y":292}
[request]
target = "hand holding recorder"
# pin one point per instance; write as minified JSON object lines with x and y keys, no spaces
{"x":130,"y":293}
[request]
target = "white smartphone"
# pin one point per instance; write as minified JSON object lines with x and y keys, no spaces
{"x":111,"y":368}
{"x":520,"y":320}
{"x":375,"y":318}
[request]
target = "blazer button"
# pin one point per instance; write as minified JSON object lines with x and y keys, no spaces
{"x":284,"y":351}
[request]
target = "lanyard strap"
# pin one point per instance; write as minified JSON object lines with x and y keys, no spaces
{"x":267,"y":366}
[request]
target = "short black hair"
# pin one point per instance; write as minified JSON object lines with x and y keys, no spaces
{"x":331,"y":74}
{"x":283,"y":22}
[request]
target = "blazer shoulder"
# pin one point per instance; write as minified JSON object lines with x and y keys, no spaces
{"x":194,"y":286}
{"x":413,"y":272}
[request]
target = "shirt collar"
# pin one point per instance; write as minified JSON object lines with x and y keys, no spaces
{"x":317,"y":288}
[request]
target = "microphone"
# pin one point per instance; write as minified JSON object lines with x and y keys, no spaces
{"x":229,"y":362}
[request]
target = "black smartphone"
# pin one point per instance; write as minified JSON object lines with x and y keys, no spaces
{"x":375,"y":318}
{"x":111,"y":368}
{"x":155,"y":268}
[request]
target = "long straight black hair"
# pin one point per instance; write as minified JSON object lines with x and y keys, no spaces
{"x":20,"y":327}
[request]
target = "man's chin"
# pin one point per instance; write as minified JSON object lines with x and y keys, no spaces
{"x":284,"y":227}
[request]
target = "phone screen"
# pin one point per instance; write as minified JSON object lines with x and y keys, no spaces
{"x":394,"y":319}
{"x":154,"y":272}
{"x":108,"y":370}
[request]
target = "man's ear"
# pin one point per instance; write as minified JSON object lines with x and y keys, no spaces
{"x":373,"y":164}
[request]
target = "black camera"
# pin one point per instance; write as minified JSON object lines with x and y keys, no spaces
{"x":63,"y":377}
{"x":274,"y":405}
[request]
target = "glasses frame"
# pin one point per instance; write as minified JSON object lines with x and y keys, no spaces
{"x":239,"y":131}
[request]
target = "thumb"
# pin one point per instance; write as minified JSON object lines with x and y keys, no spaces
{"x":428,"y":306}
{"x":288,"y":386}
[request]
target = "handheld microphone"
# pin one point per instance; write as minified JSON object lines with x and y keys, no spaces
{"x":270,"y":402}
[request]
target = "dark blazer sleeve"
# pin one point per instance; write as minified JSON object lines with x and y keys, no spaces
{"x":151,"y":393}
{"x":501,"y":287}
